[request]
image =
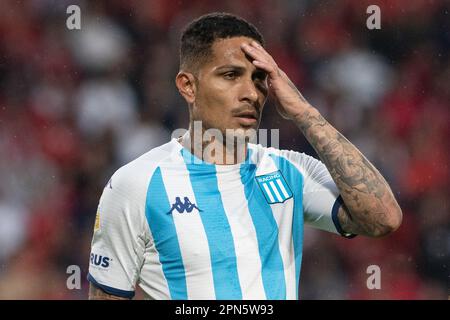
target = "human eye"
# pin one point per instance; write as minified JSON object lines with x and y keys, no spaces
{"x":230,"y":75}
{"x":260,"y":76}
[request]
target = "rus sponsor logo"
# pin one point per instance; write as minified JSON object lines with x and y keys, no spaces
{"x":99,"y":260}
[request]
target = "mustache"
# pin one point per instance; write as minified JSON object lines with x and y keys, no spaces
{"x":249,"y":110}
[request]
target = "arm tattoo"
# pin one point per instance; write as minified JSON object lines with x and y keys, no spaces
{"x":370,"y":207}
{"x":292,"y":85}
{"x":98,"y":294}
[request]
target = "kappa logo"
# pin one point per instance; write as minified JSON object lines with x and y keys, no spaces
{"x":181,"y":207}
{"x":274,"y":187}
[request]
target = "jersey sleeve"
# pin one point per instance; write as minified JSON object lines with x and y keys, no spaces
{"x":321,"y":198}
{"x":118,"y":243}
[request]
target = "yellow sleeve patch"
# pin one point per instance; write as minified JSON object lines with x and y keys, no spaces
{"x":97,"y":221}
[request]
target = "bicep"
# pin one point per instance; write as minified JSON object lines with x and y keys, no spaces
{"x":368,"y":224}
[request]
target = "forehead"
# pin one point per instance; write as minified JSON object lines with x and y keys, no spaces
{"x":228,"y":51}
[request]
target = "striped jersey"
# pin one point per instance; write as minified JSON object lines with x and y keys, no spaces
{"x":184,"y":229}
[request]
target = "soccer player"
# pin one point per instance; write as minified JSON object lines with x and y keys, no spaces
{"x":185,"y":224}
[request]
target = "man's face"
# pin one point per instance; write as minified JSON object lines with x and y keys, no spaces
{"x":231,"y":91}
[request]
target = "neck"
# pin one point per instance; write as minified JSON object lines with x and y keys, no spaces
{"x":214,"y":148}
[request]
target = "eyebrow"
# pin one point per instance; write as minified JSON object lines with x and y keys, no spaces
{"x":257,"y":71}
{"x":230,"y":66}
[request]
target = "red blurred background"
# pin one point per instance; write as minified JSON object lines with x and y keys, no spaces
{"x":77,"y":104}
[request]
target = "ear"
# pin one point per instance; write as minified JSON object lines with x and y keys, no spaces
{"x":185,"y":82}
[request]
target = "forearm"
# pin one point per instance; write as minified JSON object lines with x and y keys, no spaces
{"x":370,"y":204}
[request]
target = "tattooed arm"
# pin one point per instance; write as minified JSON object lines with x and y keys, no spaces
{"x":369,"y":206}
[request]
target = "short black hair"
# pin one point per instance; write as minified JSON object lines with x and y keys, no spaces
{"x":199,"y":36}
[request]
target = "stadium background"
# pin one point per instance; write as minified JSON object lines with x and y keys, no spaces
{"x":76,"y":105}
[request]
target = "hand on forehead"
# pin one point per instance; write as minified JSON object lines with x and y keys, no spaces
{"x":230,"y":51}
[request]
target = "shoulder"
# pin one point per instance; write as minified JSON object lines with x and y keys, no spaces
{"x":300,"y":160}
{"x":123,"y":200}
{"x":127,"y":188}
{"x":136,"y":174}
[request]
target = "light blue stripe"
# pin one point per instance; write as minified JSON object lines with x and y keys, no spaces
{"x":267,"y":235}
{"x":165,"y":236}
{"x":295,"y":180}
{"x":217,"y":228}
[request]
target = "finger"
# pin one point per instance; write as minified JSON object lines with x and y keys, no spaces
{"x":254,"y":53}
{"x":265,"y":56}
{"x":268,"y":67}
{"x":261,"y":49}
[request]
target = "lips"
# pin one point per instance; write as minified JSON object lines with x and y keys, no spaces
{"x":248,"y":115}
{"x":247,"y":119}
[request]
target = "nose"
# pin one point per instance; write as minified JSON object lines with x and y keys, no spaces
{"x":248,"y":92}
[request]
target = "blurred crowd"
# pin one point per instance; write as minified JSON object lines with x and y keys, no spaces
{"x":75,"y":105}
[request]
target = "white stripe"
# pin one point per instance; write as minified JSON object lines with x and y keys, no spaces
{"x":152,"y":279}
{"x":283,"y":190}
{"x":274,"y":188}
{"x":191,"y":235}
{"x":243,"y":232}
{"x":268,"y":192}
{"x":283,"y":214}
{"x":283,"y":217}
